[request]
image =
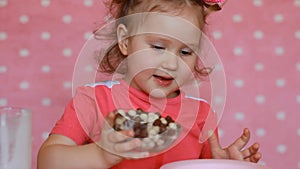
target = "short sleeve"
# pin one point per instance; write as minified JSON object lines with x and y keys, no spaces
{"x":80,"y":120}
{"x":69,"y":126}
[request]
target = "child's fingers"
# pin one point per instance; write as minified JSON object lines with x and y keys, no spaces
{"x":122,"y":146}
{"x":125,"y":149}
{"x":126,"y":146}
{"x":135,"y":155}
{"x":213,"y":141}
{"x":250,"y":151}
{"x":254,"y":157}
{"x":116,"y":137}
{"x":109,"y":120}
{"x":242,"y":140}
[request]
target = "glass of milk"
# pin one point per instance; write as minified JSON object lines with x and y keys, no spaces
{"x":15,"y":138}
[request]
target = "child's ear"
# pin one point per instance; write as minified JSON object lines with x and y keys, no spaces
{"x":122,"y":35}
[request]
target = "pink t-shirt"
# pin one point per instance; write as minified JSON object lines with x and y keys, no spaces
{"x":83,"y":118}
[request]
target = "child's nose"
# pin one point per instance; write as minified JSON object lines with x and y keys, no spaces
{"x":170,"y":61}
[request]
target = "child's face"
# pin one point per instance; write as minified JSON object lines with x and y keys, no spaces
{"x":161,"y":53}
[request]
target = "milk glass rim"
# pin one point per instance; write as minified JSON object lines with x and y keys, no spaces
{"x":16,"y":109}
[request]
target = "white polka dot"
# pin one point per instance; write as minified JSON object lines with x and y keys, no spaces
{"x":46,"y":102}
{"x":278,"y":18}
{"x":45,"y":3}
{"x":45,"y":35}
{"x":280,"y":82}
{"x":279,"y":51}
{"x":281,"y":115}
{"x":298,"y":99}
{"x":67,"y":85}
{"x":89,"y":68}
{"x":257,"y":2}
{"x":45,"y":135}
{"x":24,"y":52}
{"x":24,"y":19}
{"x":281,"y":148}
{"x":3,"y":102}
{"x":260,"y":132}
{"x":258,"y":34}
{"x":88,"y":35}
{"x":217,"y":34}
{"x":24,"y":85}
{"x":67,"y":19}
{"x":237,"y":18}
{"x":218,"y":67}
{"x":88,"y":3}
{"x":239,"y":83}
{"x":298,"y":66}
{"x":3,"y":35}
{"x":67,"y":52}
{"x":298,"y":132}
{"x":259,"y":67}
{"x":218,"y":99}
{"x":261,"y":162}
{"x":240,"y":116}
{"x":297,"y":2}
{"x":3,"y":3}
{"x":108,"y":18}
{"x":3,"y":69}
{"x":221,"y":132}
{"x":238,"y":51}
{"x":46,"y":69}
{"x":260,"y":99}
{"x":297,"y":34}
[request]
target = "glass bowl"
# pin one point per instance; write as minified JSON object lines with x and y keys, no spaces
{"x":156,"y":133}
{"x":212,"y":164}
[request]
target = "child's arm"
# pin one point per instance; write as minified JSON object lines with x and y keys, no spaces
{"x":236,"y":150}
{"x":60,"y":152}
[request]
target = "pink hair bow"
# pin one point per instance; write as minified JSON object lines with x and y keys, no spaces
{"x":213,"y":1}
{"x":214,"y":4}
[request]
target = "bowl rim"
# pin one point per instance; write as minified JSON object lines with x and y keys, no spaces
{"x":216,"y":161}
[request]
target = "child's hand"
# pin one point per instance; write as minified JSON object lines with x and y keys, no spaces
{"x":118,"y":145}
{"x":236,"y":150}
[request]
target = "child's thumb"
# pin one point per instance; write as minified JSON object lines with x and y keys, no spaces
{"x":213,"y":140}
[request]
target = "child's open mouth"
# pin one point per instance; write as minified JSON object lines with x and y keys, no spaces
{"x":163,"y":80}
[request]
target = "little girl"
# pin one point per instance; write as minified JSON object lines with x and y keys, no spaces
{"x":158,"y":42}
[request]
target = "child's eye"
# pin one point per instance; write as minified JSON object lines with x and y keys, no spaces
{"x":185,"y":52}
{"x":158,"y":47}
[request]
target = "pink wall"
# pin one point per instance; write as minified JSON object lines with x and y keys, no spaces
{"x":258,"y":41}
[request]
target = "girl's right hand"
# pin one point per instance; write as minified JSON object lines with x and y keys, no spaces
{"x":118,"y":145}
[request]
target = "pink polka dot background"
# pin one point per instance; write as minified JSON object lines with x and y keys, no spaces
{"x":258,"y":41}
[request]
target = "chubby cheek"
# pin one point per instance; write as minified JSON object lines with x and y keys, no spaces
{"x":141,"y":81}
{"x":140,"y":62}
{"x":139,"y":76}
{"x":187,"y":70}
{"x":185,"y":76}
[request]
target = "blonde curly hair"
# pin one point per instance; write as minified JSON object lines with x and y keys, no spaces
{"x":112,"y":57}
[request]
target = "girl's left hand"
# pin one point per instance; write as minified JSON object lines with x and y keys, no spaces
{"x":237,"y":150}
